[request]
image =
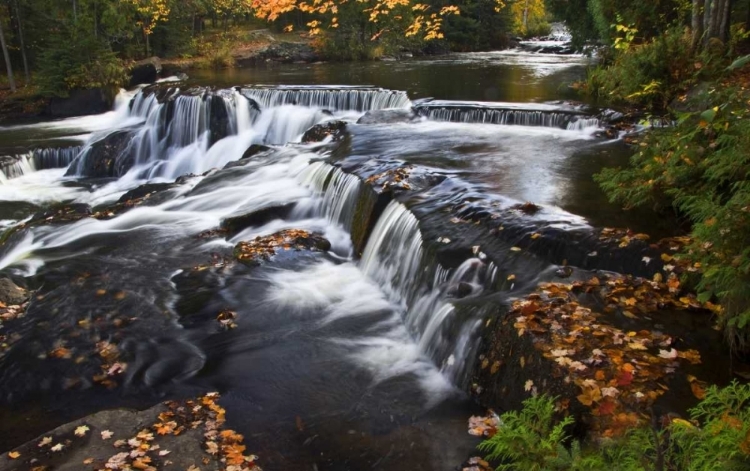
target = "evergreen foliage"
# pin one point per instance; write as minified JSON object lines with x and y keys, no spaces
{"x":717,"y":438}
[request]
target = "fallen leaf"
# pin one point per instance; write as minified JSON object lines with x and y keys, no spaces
{"x":81,"y":431}
{"x":45,"y":441}
{"x":589,"y":396}
{"x":57,"y":447}
{"x":88,"y":461}
{"x":528,"y":385}
{"x":515,"y":249}
{"x":106,"y":435}
{"x":14,"y":455}
{"x":668,"y":354}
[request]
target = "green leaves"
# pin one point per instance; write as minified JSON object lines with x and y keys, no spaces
{"x":739,"y":63}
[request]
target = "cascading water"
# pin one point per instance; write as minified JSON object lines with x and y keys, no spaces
{"x":341,"y":98}
{"x":55,"y":157}
{"x":520,"y":117}
{"x":396,"y":259}
{"x":13,"y":166}
{"x":337,"y":194}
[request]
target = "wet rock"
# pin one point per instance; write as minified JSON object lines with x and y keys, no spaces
{"x":263,"y":248}
{"x":176,"y":435}
{"x":144,"y":191}
{"x":62,"y":213}
{"x":388,"y":117}
{"x":79,"y":103}
{"x":287,"y":52}
{"x":319,"y":132}
{"x":460,"y":290}
{"x":233,"y":224}
{"x":609,"y":347}
{"x":11,"y":293}
{"x":527,"y":208}
{"x":219,"y":119}
{"x":145,"y":71}
{"x":254,"y":150}
{"x":108,"y":157}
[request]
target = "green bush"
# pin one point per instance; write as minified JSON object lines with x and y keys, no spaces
{"x":531,"y":440}
{"x":716,"y":439}
{"x":79,"y":63}
{"x":648,"y":75}
{"x":701,"y":167}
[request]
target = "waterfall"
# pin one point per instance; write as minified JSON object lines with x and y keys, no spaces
{"x":334,"y":99}
{"x":13,"y":166}
{"x":543,"y":118}
{"x":55,"y":157}
{"x":337,"y":193}
{"x":395,"y":258}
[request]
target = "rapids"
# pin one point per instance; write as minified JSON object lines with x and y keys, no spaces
{"x":369,"y":344}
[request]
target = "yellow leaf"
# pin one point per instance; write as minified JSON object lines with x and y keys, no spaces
{"x":14,"y":455}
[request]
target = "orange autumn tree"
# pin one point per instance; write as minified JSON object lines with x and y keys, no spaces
{"x":424,"y":20}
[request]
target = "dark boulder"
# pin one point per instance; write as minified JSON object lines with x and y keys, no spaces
{"x":254,"y":150}
{"x":319,"y":132}
{"x":236,"y":222}
{"x":287,"y":52}
{"x":108,"y":157}
{"x":145,"y":71}
{"x":11,"y":293}
{"x":80,"y":103}
{"x":218,"y":124}
{"x":388,"y":117}
{"x":144,"y":191}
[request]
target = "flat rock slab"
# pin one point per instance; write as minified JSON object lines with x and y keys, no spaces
{"x":175,"y":435}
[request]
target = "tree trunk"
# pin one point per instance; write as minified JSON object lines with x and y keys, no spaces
{"x":707,"y":7}
{"x":22,"y":44}
{"x":697,"y":24}
{"x":716,"y":8}
{"x":6,"y":56}
{"x":148,"y":43}
{"x":724,"y":24}
{"x":526,"y":17}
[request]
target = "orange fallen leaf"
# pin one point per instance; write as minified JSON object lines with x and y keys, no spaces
{"x":14,"y":455}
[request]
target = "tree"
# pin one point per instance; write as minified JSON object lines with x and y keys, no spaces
{"x":6,"y":56}
{"x":150,"y":13}
{"x":22,"y":44}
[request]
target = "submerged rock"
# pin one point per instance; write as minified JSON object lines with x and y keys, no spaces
{"x":263,"y":248}
{"x":144,"y":192}
{"x":319,"y":132}
{"x":254,"y":150}
{"x":389,"y":117}
{"x":235,"y":223}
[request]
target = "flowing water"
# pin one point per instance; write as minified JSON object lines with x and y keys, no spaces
{"x":357,"y":358}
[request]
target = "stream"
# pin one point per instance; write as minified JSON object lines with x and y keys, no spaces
{"x":358,"y":357}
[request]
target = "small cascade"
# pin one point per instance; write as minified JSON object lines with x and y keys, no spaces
{"x":55,"y":157}
{"x":334,"y":99}
{"x":338,"y":193}
{"x":14,"y":166}
{"x":396,"y":259}
{"x":551,"y":118}
{"x":583,"y":124}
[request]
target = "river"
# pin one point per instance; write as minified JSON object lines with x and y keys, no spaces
{"x":356,"y":358}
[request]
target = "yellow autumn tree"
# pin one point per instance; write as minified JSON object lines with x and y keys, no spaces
{"x":426,"y":21}
{"x":149,"y":14}
{"x":529,"y":17}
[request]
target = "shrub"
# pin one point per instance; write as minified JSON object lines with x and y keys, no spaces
{"x":716,"y":439}
{"x":701,"y":167}
{"x":649,"y":74}
{"x":79,"y":63}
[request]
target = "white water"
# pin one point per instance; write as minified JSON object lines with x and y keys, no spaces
{"x":174,"y":138}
